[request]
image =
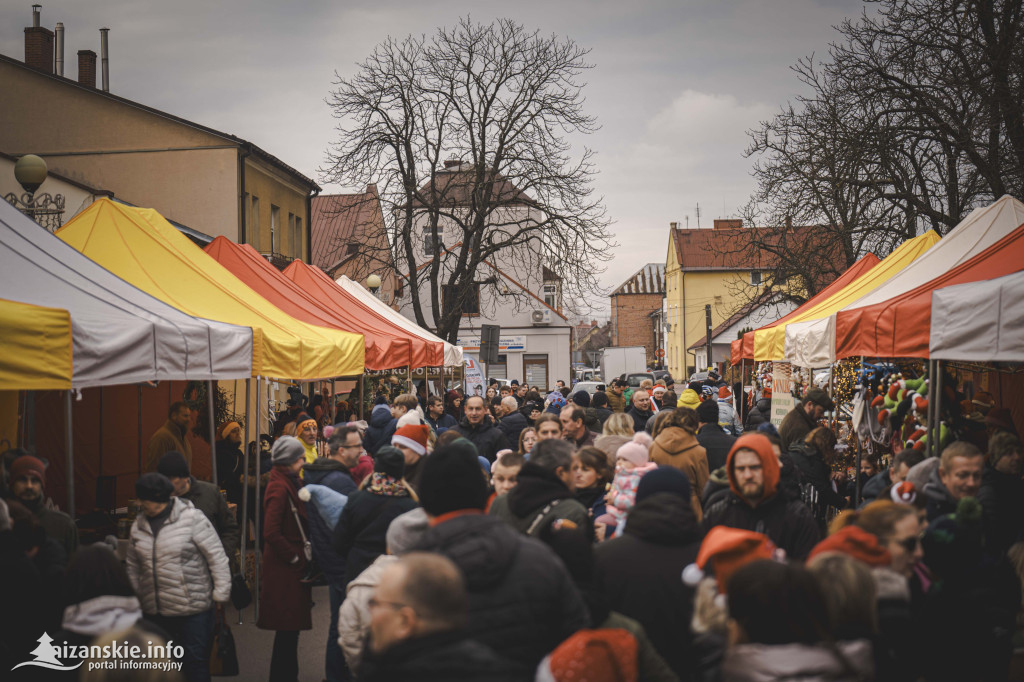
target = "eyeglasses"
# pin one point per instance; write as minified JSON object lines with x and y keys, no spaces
{"x":374,"y":603}
{"x":910,"y":544}
{"x":357,"y":446}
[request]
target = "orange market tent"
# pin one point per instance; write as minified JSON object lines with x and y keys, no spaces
{"x":415,"y":350}
{"x":901,"y":326}
{"x":141,"y":247}
{"x":769,"y":342}
{"x":743,"y":348}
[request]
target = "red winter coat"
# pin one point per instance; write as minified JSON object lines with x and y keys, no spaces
{"x":285,"y":603}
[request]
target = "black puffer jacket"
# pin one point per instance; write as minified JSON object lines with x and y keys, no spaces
{"x":760,"y":414}
{"x":522,"y":602}
{"x":333,"y":474}
{"x":487,"y":438}
{"x":362,"y":527}
{"x":814,"y":470}
{"x":512,"y":425}
{"x":381,"y":427}
{"x":789,"y":523}
{"x":639,"y":573}
{"x":439,"y":657}
{"x":716,"y":443}
{"x":538,"y":488}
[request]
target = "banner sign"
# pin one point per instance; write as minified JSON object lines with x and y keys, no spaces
{"x":506,"y":344}
{"x":782,"y":396}
{"x":475,"y":383}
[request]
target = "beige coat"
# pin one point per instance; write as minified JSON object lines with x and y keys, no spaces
{"x":677,"y":447}
{"x":354,"y":615}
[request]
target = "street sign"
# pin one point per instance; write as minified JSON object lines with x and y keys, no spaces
{"x":661,"y":353}
{"x":489,"y":338}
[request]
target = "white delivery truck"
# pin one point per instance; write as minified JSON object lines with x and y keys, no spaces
{"x":619,"y":360}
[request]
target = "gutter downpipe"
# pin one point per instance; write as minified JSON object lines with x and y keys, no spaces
{"x":309,"y":225}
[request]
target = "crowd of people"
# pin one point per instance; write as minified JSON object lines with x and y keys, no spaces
{"x":629,"y":534}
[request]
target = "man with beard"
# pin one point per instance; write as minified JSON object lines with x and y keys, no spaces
{"x":172,"y":436}
{"x":28,"y":480}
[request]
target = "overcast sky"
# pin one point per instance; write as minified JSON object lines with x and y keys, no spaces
{"x":675,"y":86}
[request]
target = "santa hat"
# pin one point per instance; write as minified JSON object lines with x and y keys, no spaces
{"x":411,"y":417}
{"x":328,"y":502}
{"x":605,"y":655}
{"x":724,"y":393}
{"x":412,"y":436}
{"x":857,"y":543}
{"x":903,"y":493}
{"x":728,"y":550}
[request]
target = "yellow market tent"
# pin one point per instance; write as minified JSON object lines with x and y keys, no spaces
{"x":769,"y":342}
{"x":141,"y":247}
{"x":35,"y":347}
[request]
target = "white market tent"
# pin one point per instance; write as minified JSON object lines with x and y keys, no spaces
{"x":813,"y":343}
{"x":452,"y":353}
{"x":120,"y":335}
{"x":981,"y":321}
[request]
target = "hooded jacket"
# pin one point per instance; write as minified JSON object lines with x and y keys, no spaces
{"x":382,"y":427}
{"x":512,"y":424}
{"x":333,"y":474}
{"x":812,"y":465}
{"x":676,"y":447}
{"x":354,"y":616}
{"x":758,"y":415}
{"x":940,"y":501}
{"x":639,"y":573}
{"x":522,"y":602}
{"x":184,"y":569}
{"x":789,"y":523}
{"x":538,"y":489}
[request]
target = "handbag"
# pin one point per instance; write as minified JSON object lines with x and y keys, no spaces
{"x":223,"y":655}
{"x":241,"y":595}
{"x":307,"y":548}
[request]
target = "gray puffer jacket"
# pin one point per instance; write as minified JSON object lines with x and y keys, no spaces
{"x":185,"y":570}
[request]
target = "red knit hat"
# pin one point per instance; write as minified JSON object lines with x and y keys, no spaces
{"x":854,"y":542}
{"x":728,"y":550}
{"x":27,"y":464}
{"x":606,"y":655}
{"x":724,"y":393}
{"x":412,"y":436}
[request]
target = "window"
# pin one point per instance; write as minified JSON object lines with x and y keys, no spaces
{"x":254,"y":224}
{"x":431,"y":245}
{"x":551,"y":295}
{"x":298,"y":237}
{"x":469,"y":296}
{"x":756,"y":279}
{"x":275,"y":229}
{"x":498,"y":370}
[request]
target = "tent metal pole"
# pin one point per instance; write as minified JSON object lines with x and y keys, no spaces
{"x":256,"y":497}
{"x":213,"y":432}
{"x":360,"y":381}
{"x":938,"y":409}
{"x":70,"y":448}
{"x":929,"y":450}
{"x":140,"y":430}
{"x":245,"y":487}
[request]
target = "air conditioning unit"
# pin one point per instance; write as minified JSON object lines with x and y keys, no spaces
{"x":540,"y":316}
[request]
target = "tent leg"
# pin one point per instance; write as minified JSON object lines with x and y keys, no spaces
{"x":140,"y":430}
{"x":245,"y":488}
{"x":256,"y":497}
{"x":938,"y":409}
{"x":213,"y":432}
{"x":929,"y":449}
{"x":69,"y":446}
{"x":360,"y":381}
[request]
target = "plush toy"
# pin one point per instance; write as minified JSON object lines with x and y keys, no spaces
{"x":329,"y":503}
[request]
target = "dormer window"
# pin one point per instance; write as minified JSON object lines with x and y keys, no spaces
{"x":756,"y":278}
{"x":431,"y":245}
{"x":551,"y":295}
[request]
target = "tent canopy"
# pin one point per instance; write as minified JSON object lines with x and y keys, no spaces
{"x":900,"y":327}
{"x":744,"y":350}
{"x":981,"y":321}
{"x":815,"y":344}
{"x":452,"y":353}
{"x":35,"y":351}
{"x":769,"y":343}
{"x":147,"y":251}
{"x":120,"y":335}
{"x":409,"y":349}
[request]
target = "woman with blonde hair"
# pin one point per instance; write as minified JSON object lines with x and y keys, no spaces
{"x":617,"y":431}
{"x":527,"y":439}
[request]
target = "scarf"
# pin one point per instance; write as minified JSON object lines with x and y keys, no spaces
{"x":382,"y":484}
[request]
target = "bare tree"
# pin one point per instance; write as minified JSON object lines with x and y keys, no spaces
{"x":499,"y":104}
{"x":916,"y":118}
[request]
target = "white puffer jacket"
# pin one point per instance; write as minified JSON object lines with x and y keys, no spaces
{"x":185,"y":570}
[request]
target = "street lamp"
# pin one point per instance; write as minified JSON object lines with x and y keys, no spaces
{"x":30,"y":171}
{"x":373,"y":284}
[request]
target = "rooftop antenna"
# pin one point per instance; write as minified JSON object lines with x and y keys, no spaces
{"x":687,"y":222}
{"x":698,"y":215}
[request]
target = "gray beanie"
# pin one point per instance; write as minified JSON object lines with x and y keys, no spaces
{"x":406,"y":530}
{"x":286,"y":450}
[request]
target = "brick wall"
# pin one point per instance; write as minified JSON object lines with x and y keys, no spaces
{"x":39,"y":48}
{"x":631,"y":325}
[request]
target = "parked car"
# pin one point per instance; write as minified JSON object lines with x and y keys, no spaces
{"x":590,"y":387}
{"x":634,"y":379}
{"x":699,"y":376}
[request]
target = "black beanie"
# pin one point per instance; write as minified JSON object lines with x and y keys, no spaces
{"x":389,"y":460}
{"x":664,"y":479}
{"x":451,"y":479}
{"x":600,"y":399}
{"x":173,"y":465}
{"x":581,"y":398}
{"x":154,"y":487}
{"x":707,"y":412}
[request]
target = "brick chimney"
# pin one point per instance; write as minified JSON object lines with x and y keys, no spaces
{"x":38,"y":44}
{"x":87,"y":68}
{"x":728,"y":223}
